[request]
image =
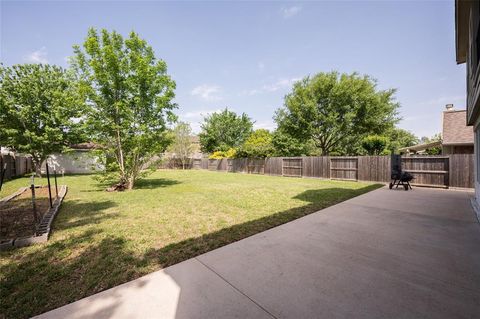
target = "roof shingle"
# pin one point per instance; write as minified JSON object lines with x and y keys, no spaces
{"x":455,"y":129}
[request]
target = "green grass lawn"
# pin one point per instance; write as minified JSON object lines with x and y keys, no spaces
{"x":103,"y":239}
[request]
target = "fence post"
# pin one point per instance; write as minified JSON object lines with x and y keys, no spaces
{"x":2,"y":174}
{"x":34,"y":206}
{"x":56,"y":185}
{"x":48,"y":180}
{"x":446,"y":167}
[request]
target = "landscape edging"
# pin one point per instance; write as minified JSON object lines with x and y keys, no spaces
{"x":43,"y":229}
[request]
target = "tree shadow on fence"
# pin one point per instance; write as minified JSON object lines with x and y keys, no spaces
{"x":46,"y":277}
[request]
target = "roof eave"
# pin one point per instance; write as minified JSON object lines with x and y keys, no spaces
{"x":462,"y":9}
{"x":421,"y":147}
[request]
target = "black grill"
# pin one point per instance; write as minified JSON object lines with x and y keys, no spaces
{"x":398,"y":176}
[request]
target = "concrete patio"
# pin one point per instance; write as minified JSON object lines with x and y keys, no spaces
{"x":385,"y":254}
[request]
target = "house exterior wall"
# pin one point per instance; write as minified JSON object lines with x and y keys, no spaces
{"x":477,"y":159}
{"x":457,"y":149}
{"x":75,"y":162}
{"x":467,"y":29}
{"x":473,"y":63}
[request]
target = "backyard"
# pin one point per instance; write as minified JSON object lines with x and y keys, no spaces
{"x":103,"y":239}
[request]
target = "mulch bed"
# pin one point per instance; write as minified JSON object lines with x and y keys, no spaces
{"x":16,"y":215}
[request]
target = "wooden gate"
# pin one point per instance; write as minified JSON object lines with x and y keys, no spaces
{"x":292,"y":166}
{"x":430,"y":171}
{"x":344,"y":168}
{"x":197,"y":163}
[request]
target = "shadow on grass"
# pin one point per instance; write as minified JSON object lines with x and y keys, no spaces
{"x":151,"y":183}
{"x":147,"y":183}
{"x":47,"y":277}
{"x":75,"y":213}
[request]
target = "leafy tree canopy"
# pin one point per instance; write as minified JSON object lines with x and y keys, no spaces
{"x":182,"y":146}
{"x":230,"y":153}
{"x":335,"y":111}
{"x":374,"y":144}
{"x":40,"y":110}
{"x":224,"y":130}
{"x":285,"y":144}
{"x":258,"y":145}
{"x":130,"y":94}
{"x":399,"y":138}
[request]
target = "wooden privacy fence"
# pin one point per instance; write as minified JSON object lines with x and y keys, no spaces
{"x":16,"y":165}
{"x":344,"y":168}
{"x":292,"y":166}
{"x":434,"y":171}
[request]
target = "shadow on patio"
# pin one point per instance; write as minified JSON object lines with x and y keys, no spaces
{"x":69,"y":269}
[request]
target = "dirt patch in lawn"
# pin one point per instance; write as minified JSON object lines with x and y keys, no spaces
{"x":16,"y":215}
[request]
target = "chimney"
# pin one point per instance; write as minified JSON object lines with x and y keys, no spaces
{"x":449,"y":107}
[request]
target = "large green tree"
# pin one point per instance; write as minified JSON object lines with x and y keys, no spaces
{"x":285,"y":144}
{"x":40,"y":110}
{"x":374,"y":144}
{"x":130,"y":94}
{"x":336,"y":111}
{"x":182,"y":147}
{"x":224,"y":130}
{"x":399,"y":138}
{"x":258,"y":145}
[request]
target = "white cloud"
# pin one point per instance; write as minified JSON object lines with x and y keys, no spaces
{"x":250,"y":92}
{"x":280,"y":84}
{"x":196,"y":117}
{"x":199,"y":114}
{"x":291,"y":11}
{"x":207,"y":92}
{"x":261,"y":66}
{"x":38,"y":56}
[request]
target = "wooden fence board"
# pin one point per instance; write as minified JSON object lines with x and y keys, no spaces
{"x":344,"y":168}
{"x":239,"y":165}
{"x":429,"y":170}
{"x":16,"y":165}
{"x":374,"y":168}
{"x":462,"y":172}
{"x":438,"y":171}
{"x":292,"y":166}
{"x":273,"y":166}
{"x":316,"y":166}
{"x":256,"y":166}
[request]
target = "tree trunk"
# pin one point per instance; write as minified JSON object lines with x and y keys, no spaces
{"x":130,"y":183}
{"x":120,"y":153}
{"x":37,"y":165}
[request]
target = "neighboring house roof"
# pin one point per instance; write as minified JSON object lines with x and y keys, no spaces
{"x":420,"y":147}
{"x":84,"y":146}
{"x":455,"y":130}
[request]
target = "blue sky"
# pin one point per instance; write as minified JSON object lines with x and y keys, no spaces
{"x":246,"y":55}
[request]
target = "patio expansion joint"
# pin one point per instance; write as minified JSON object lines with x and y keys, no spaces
{"x":235,"y":288}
